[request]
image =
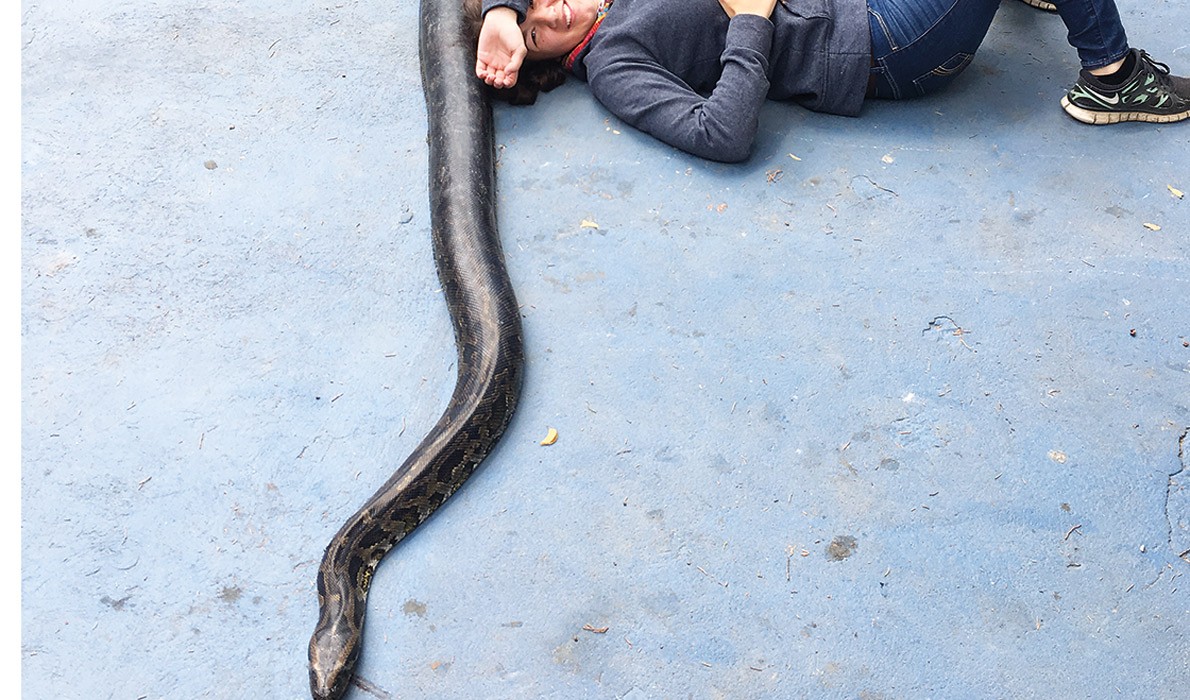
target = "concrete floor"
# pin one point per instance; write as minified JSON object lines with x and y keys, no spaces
{"x":892,"y":410}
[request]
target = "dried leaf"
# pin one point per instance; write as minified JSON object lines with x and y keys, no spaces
{"x":551,"y":437}
{"x":1151,"y":227}
{"x":596,"y":630}
{"x":587,"y":223}
{"x":1057,"y":456}
{"x":1176,"y":192}
{"x":888,"y":158}
{"x":794,"y":157}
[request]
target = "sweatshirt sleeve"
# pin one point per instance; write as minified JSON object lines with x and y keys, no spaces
{"x":719,"y":127}
{"x":521,"y":7}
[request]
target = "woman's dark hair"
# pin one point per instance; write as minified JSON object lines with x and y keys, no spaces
{"x":535,"y":76}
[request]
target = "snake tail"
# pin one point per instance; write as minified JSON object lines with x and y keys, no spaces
{"x":487,"y":327}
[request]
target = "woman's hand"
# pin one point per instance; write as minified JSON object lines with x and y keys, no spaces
{"x":501,"y":48}
{"x":764,"y":8}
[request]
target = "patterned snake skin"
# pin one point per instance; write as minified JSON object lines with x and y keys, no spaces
{"x":487,"y":333}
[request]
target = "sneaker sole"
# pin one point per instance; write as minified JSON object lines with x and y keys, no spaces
{"x":1041,"y":5}
{"x":1089,"y":116}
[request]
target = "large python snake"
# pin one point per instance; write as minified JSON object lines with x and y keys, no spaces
{"x":487,"y":329}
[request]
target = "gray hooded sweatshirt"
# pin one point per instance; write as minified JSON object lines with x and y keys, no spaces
{"x":683,"y":72}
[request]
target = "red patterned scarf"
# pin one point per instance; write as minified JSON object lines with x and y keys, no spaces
{"x":573,"y":55}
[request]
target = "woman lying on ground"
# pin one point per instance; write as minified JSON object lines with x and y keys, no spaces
{"x":694,"y":73}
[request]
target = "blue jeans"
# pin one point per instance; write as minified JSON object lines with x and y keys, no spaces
{"x":918,"y":46}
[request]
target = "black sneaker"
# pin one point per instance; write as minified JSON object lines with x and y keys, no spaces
{"x":1150,"y":94}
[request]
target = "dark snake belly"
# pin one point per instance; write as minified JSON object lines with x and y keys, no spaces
{"x":487,"y":329}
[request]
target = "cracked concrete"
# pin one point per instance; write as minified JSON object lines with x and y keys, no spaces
{"x":1177,"y":505}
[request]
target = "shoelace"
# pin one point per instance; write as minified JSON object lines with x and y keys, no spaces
{"x":1159,"y":69}
{"x":1157,"y":65}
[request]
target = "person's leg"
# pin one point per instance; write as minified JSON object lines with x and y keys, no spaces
{"x":919,"y":46}
{"x":1117,"y":83}
{"x":1094,"y":29}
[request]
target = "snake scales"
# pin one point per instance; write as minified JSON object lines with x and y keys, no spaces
{"x":487,"y":329}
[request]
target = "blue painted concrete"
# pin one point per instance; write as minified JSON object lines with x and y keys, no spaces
{"x":867,"y":423}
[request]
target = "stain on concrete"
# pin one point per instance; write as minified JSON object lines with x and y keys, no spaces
{"x":414,"y":607}
{"x":841,"y":547}
{"x":114,"y":604}
{"x":564,"y":654}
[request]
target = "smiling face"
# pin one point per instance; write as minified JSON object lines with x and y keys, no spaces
{"x":552,"y":28}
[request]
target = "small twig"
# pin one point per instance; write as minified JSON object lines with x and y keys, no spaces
{"x":704,"y":573}
{"x":1071,"y":532}
{"x":367,"y":687}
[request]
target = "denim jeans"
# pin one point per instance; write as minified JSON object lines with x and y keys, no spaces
{"x":918,"y":46}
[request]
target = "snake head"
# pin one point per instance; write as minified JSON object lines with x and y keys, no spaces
{"x":332,"y":662}
{"x":334,"y":649}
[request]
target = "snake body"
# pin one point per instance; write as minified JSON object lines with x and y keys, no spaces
{"x":487,"y":328}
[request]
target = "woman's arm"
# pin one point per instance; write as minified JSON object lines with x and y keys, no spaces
{"x":521,"y":6}
{"x":719,"y":127}
{"x":501,"y":45}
